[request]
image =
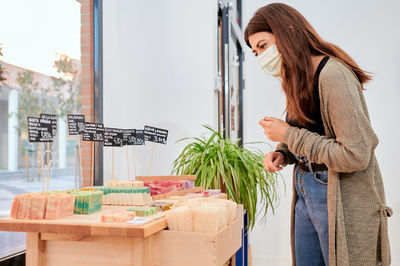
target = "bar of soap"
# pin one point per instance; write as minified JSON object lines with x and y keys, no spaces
{"x":184,"y":219}
{"x":87,"y":201}
{"x":117,"y":183}
{"x":180,"y":219}
{"x":171,"y":220}
{"x":231,"y":207}
{"x":59,"y":205}
{"x":117,"y":216}
{"x":162,"y":205}
{"x":143,"y":211}
{"x":125,"y":195}
{"x":165,"y":186}
{"x":211,"y":192}
{"x":206,"y":219}
{"x":39,"y":203}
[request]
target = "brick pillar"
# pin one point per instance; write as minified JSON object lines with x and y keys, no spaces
{"x":87,"y":82}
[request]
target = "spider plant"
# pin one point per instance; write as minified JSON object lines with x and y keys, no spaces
{"x":219,"y":163}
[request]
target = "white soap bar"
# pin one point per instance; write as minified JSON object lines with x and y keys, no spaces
{"x":184,"y":218}
{"x":206,"y":219}
{"x":171,"y":220}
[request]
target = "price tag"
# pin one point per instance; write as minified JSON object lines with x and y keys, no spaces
{"x":76,"y":124}
{"x":156,"y":135}
{"x":113,"y":137}
{"x":40,"y":130}
{"x":53,"y":119}
{"x":139,"y":138}
{"x":133,"y":137}
{"x":93,"y":132}
{"x":139,"y":220}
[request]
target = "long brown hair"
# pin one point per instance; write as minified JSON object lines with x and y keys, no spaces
{"x":297,"y":41}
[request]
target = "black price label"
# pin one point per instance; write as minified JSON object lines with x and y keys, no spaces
{"x":113,"y":137}
{"x":40,"y":130}
{"x":76,"y":124}
{"x":129,"y":136}
{"x":156,"y":135}
{"x":139,"y":138}
{"x":93,"y":132}
{"x":133,"y":137}
{"x":53,"y":119}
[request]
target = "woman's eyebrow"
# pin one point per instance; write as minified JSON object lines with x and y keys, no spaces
{"x":258,"y":43}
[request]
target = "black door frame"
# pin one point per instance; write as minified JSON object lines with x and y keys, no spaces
{"x":231,"y":29}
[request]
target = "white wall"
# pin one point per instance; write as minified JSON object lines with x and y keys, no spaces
{"x":159,"y":70}
{"x":369,"y":31}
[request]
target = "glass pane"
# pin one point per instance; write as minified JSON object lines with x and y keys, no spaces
{"x":234,"y":89}
{"x":40,"y":74}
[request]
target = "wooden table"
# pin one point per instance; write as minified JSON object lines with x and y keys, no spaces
{"x":83,"y":240}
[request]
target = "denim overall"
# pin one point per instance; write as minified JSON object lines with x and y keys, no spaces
{"x":311,"y":216}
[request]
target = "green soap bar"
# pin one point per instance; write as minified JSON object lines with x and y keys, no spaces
{"x":107,"y":189}
{"x":87,"y":202}
{"x":143,"y":211}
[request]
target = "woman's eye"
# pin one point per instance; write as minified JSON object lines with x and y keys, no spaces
{"x":263,"y":46}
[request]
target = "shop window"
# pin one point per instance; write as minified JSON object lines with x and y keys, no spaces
{"x":40,"y":73}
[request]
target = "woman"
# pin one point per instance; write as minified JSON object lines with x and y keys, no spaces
{"x":339,"y":216}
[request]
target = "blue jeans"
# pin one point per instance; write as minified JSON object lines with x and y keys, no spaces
{"x":311,"y":218}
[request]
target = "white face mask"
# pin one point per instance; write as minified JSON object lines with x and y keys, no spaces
{"x":270,"y":61}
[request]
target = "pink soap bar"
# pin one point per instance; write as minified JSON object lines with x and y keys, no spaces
{"x":15,"y":207}
{"x":117,"y":216}
{"x":59,"y":205}
{"x":165,"y":186}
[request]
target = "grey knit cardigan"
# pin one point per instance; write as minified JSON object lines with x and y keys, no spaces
{"x":357,"y":211}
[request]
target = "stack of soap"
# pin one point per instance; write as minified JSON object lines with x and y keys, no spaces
{"x":143,"y":211}
{"x":42,"y":205}
{"x":87,"y":201}
{"x":165,"y":186}
{"x":117,"y":216}
{"x":115,"y":195}
{"x":116,"y":183}
{"x":29,"y":206}
{"x":206,"y":215}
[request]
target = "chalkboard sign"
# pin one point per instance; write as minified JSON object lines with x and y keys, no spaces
{"x":113,"y":137}
{"x":139,"y":137}
{"x":93,"y":132}
{"x":53,"y":119}
{"x":133,"y":137}
{"x":40,"y":130}
{"x":76,"y":124}
{"x":156,"y":135}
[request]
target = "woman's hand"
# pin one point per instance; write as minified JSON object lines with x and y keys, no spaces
{"x":272,"y":161}
{"x":274,"y":128}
